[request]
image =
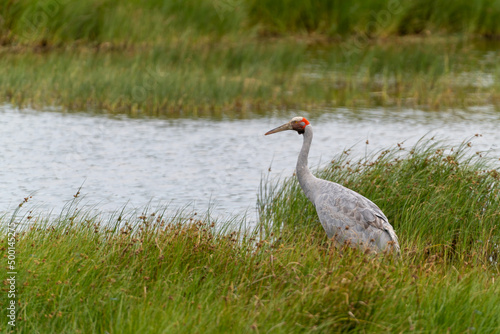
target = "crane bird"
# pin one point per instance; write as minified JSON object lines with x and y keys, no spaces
{"x":346,"y":216}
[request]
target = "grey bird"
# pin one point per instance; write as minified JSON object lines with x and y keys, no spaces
{"x":346,"y":216}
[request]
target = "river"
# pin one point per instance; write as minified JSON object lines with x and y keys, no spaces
{"x":199,"y":163}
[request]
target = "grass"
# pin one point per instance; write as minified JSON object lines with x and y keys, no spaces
{"x":232,"y":58}
{"x":159,"y":272}
{"x":162,"y":81}
{"x":185,"y":80}
{"x":52,"y":21}
{"x":371,"y":18}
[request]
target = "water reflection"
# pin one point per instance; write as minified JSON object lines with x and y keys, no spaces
{"x":135,"y":161}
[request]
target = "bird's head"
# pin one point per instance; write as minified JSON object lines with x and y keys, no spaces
{"x":297,"y":123}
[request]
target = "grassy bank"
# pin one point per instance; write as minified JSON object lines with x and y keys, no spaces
{"x":189,"y":58}
{"x":234,"y":79}
{"x":181,"y":273}
{"x":55,"y":22}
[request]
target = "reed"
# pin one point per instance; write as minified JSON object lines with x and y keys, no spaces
{"x":53,"y":22}
{"x":60,"y":21}
{"x":186,"y":80}
{"x":212,"y":58}
{"x":373,"y":19}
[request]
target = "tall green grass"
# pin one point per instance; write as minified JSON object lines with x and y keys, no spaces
{"x":186,"y":58}
{"x":59,"y":21}
{"x":160,"y":271}
{"x":182,"y":80}
{"x":188,"y":80}
{"x":376,"y":18}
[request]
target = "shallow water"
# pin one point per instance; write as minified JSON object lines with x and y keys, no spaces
{"x":133,"y":162}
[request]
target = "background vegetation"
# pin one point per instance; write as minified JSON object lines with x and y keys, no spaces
{"x":377,"y":18}
{"x":186,"y":58}
{"x":60,"y":21}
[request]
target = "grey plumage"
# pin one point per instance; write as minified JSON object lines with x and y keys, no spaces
{"x":346,"y":216}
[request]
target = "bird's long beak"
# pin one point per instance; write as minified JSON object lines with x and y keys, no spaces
{"x":287,"y":126}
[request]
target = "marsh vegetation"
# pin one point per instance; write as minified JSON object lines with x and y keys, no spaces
{"x":163,"y":270}
{"x":212,"y":58}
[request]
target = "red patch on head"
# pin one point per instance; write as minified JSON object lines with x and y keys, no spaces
{"x":306,"y":122}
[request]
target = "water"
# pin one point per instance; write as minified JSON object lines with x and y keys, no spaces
{"x":200,"y":163}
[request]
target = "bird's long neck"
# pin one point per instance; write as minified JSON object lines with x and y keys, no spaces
{"x":306,"y":179}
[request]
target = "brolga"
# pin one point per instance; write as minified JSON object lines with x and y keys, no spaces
{"x":346,"y":216}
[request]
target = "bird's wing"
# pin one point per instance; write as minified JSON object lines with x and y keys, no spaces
{"x":347,"y":215}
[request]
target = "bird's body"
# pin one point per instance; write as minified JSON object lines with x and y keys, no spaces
{"x":346,"y":216}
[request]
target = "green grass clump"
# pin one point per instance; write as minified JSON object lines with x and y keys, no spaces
{"x":159,"y":273}
{"x":236,"y":79}
{"x":181,"y":80}
{"x":371,"y":18}
{"x":53,"y":21}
